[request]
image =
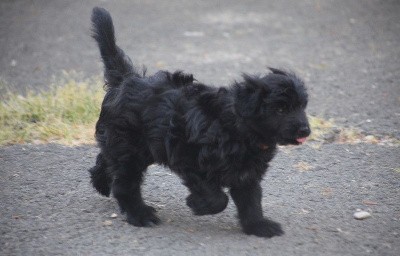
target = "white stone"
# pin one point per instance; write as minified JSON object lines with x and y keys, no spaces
{"x":361,"y":215}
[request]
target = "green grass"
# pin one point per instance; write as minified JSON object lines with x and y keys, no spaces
{"x":64,"y":114}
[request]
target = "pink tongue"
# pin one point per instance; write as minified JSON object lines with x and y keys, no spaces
{"x":301,"y":140}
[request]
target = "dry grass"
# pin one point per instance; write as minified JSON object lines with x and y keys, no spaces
{"x":324,"y":131}
{"x":64,"y":114}
{"x":327,"y":131}
{"x":321,"y":128}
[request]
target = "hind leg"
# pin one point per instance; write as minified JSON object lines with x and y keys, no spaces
{"x":128,"y":176}
{"x":98,"y":174}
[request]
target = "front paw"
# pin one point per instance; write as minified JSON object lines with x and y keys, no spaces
{"x":263,"y":228}
{"x":207,"y":205}
{"x":143,"y":217}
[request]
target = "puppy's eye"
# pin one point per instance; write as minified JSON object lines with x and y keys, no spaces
{"x":280,"y":110}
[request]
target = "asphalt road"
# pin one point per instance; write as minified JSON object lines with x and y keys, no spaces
{"x":348,"y":53}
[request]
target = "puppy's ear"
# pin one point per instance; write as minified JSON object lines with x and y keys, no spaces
{"x":249,"y":96}
{"x":277,"y":71}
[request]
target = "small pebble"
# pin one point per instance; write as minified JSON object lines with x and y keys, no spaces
{"x":114,"y":215}
{"x":107,"y":223}
{"x":360,"y":215}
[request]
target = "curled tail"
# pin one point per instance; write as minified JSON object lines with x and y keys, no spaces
{"x":117,"y":65}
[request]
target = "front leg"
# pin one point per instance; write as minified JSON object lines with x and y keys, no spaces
{"x":205,"y":197}
{"x":248,"y":202}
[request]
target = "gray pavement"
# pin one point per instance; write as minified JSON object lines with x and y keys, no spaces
{"x":348,"y":52}
{"x":49,"y":207}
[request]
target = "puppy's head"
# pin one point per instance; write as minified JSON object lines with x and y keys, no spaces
{"x":274,"y":107}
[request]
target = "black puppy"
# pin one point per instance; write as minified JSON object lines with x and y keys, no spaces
{"x":211,"y":137}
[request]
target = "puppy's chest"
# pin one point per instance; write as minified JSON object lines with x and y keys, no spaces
{"x":243,"y":166}
{"x":257,"y":161}
{"x":245,"y":173}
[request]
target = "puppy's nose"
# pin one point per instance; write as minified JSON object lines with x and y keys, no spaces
{"x":304,"y":131}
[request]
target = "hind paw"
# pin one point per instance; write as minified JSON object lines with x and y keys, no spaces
{"x":144,"y":217}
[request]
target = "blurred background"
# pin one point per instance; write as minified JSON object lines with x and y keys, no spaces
{"x":348,"y":52}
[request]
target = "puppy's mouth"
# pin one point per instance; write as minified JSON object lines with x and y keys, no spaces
{"x":292,"y":141}
{"x":301,"y":140}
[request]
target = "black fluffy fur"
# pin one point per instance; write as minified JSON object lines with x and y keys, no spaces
{"x":211,"y":137}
